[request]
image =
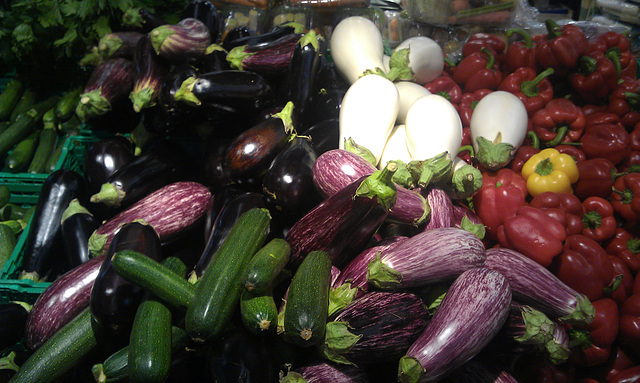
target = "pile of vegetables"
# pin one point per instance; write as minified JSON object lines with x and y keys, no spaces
{"x":354,"y":218}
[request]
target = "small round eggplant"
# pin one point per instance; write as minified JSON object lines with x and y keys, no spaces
{"x":104,"y":157}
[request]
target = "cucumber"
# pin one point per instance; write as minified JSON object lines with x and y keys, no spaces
{"x":44,"y":150}
{"x":258,"y":311}
{"x":66,"y":106}
{"x":62,"y":352}
{"x":5,"y":195}
{"x":26,"y":102}
{"x":8,"y":242}
{"x":219,"y":289}
{"x":266,"y":264}
{"x":307,"y":302}
{"x":24,"y":125}
{"x":18,"y":160}
{"x":10,"y":97}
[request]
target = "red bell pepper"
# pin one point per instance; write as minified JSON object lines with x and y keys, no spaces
{"x":599,"y":222}
{"x":478,"y":71}
{"x":523,"y":153}
{"x":477,"y":41}
{"x":559,"y":121}
{"x":624,"y":102}
{"x":625,"y":197}
{"x":619,"y":360}
{"x":594,"y":78}
{"x":500,"y":196}
{"x":595,"y":178}
{"x":614,"y":42}
{"x":585,"y":266}
{"x":631,"y":163}
{"x":447,"y":88}
{"x":605,"y":137}
{"x":634,"y":137}
{"x":598,"y":336}
{"x":625,"y":246}
{"x":625,"y":289}
{"x":520,"y":54}
{"x":532,"y":88}
{"x":468,"y":102}
{"x":532,"y":232}
{"x":561,"y":47}
{"x":567,"y":203}
{"x":628,"y":375}
{"x":629,"y":324}
{"x":572,"y":150}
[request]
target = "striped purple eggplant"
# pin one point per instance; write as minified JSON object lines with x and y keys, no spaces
{"x":321,"y":372}
{"x":472,"y":312}
{"x":337,"y":168}
{"x":119,"y":44}
{"x":183,"y":42}
{"x":441,"y":209}
{"x":432,"y":256}
{"x":537,"y":287}
{"x":375,"y":328}
{"x":151,"y":72}
{"x":171,"y":210}
{"x":272,"y":57}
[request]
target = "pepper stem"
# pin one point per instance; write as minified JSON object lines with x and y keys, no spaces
{"x":587,"y":65}
{"x":614,"y":54}
{"x":634,"y":245}
{"x":561,"y":132}
{"x":535,"y":140}
{"x":591,"y":220}
{"x":553,"y":29}
{"x":544,"y":167}
{"x":492,"y":58}
{"x":626,"y":194}
{"x":633,"y":100}
{"x":530,"y":88}
{"x":528,"y":43}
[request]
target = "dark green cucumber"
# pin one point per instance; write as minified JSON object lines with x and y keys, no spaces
{"x":26,"y":102}
{"x":18,"y":160}
{"x":154,"y":277}
{"x":266,"y":264}
{"x":5,"y":195}
{"x":24,"y":125}
{"x":219,"y":289}
{"x":8,"y":242}
{"x":46,"y":146}
{"x":62,"y":352}
{"x":66,"y":106}
{"x":258,"y":311}
{"x":10,"y":97}
{"x":307,"y":302}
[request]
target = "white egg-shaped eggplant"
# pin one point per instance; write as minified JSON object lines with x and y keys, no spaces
{"x":409,"y":92}
{"x":396,"y":147}
{"x":368,"y":113}
{"x":498,"y":128}
{"x":425,"y":59}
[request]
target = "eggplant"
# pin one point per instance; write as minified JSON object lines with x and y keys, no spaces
{"x":114,"y":300}
{"x":151,"y":72}
{"x":344,"y":223}
{"x":172,"y":83}
{"x":325,"y":135}
{"x":206,"y":12}
{"x":375,"y":328}
{"x":77,"y":224}
{"x":253,"y":39}
{"x":184,"y":42}
{"x":44,"y":236}
{"x":268,"y":58}
{"x":214,"y":174}
{"x":13,"y":321}
{"x":219,"y":199}
{"x":323,"y":372}
{"x":326,"y":105}
{"x":8,"y":367}
{"x":119,"y":44}
{"x":60,"y":302}
{"x":288,"y":183}
{"x":536,"y":286}
{"x":480,"y":370}
{"x":104,"y":157}
{"x":142,"y":20}
{"x":235,"y":33}
{"x":215,"y":59}
{"x":441,"y":209}
{"x":472,"y":312}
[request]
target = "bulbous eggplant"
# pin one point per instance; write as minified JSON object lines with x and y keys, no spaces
{"x":77,"y":225}
{"x":325,"y":135}
{"x":114,"y":300}
{"x":183,"y":42}
{"x":104,"y":157}
{"x":214,"y":174}
{"x":288,"y":183}
{"x":151,"y":71}
{"x":268,"y":58}
{"x":206,"y":12}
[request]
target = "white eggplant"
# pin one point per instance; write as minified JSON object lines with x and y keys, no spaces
{"x":409,"y":92}
{"x":498,"y":128}
{"x":368,"y":113}
{"x":419,"y":59}
{"x":396,"y":147}
{"x":357,"y":47}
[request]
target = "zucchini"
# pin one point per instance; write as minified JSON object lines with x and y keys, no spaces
{"x":26,"y":102}
{"x":266,"y":264}
{"x":18,"y":160}
{"x":8,"y":241}
{"x":154,"y":277}
{"x":219,"y":289}
{"x":66,"y":106}
{"x":52,"y":161}
{"x":5,"y":195}
{"x":62,"y":352}
{"x":258,"y":311}
{"x":24,"y":125}
{"x":10,"y":97}
{"x":307,"y":302}
{"x":44,"y":150}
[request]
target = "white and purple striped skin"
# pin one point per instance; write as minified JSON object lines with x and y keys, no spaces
{"x":471,"y":314}
{"x":459,"y":212}
{"x":170,"y":210}
{"x":337,"y":168}
{"x":441,"y":209}
{"x":332,"y":373}
{"x":434,"y":256}
{"x":60,"y":302}
{"x":190,"y":40}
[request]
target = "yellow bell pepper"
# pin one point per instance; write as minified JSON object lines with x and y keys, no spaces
{"x":550,"y":170}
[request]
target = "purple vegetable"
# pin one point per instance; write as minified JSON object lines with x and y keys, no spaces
{"x":183,"y":42}
{"x":537,"y":287}
{"x":326,"y":373}
{"x":271,"y":57}
{"x":433,"y":256}
{"x":480,"y":370}
{"x":441,"y":209}
{"x":472,"y":312}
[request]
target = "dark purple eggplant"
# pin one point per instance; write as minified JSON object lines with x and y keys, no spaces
{"x":288,"y":183}
{"x":114,"y":300}
{"x":77,"y":225}
{"x":150,"y":75}
{"x":137,"y":179}
{"x":323,"y":372}
{"x":325,"y":135}
{"x":104,"y":157}
{"x":206,"y":12}
{"x":215,"y":59}
{"x":214,"y":174}
{"x":44,"y":236}
{"x":536,"y":286}
{"x":60,"y":302}
{"x":142,"y":20}
{"x":172,"y":83}
{"x":258,"y":39}
{"x":272,"y":57}
{"x":184,"y":42}
{"x":375,"y":328}
{"x":326,"y":105}
{"x":13,"y":321}
{"x":236,"y":33}
{"x":441,"y":209}
{"x":480,"y":370}
{"x":219,"y":200}
{"x":109,"y":82}
{"x":343,"y":224}
{"x":472,"y":312}
{"x":119,"y":44}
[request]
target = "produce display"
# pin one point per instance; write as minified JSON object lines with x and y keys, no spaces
{"x":285,"y":206}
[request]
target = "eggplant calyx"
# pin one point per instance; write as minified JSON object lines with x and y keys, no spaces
{"x":143,"y":98}
{"x":538,"y":328}
{"x":236,"y":56}
{"x":494,"y":154}
{"x":310,"y":38}
{"x":340,"y":297}
{"x":476,"y":229}
{"x":75,"y":207}
{"x":409,"y":370}
{"x":382,"y":276}
{"x":97,"y":243}
{"x":109,"y":194}
{"x":403,"y":176}
{"x":380,"y":186}
{"x":338,"y":340}
{"x":109,"y":44}
{"x":98,"y":373}
{"x":185,"y":92}
{"x":9,"y":362}
{"x":399,"y":69}
{"x":466,"y":181}
{"x":293,"y":377}
{"x":159,"y":35}
{"x":30,"y":275}
{"x":557,"y":353}
{"x":287,"y":120}
{"x":92,"y":104}
{"x":353,"y":147}
{"x":214,"y":48}
{"x":583,"y":313}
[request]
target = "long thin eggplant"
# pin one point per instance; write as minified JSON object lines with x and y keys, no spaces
{"x":268,"y":58}
{"x":114,"y":300}
{"x":150,"y":74}
{"x":206,"y":12}
{"x":470,"y":315}
{"x":441,"y":209}
{"x":13,"y":320}
{"x":119,"y":44}
{"x":537,"y":287}
{"x":323,"y":372}
{"x":77,"y":225}
{"x":58,"y":190}
{"x":183,"y":42}
{"x":104,"y":157}
{"x":480,"y":370}
{"x":255,"y":39}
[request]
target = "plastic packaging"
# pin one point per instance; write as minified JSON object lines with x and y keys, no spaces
{"x":462,"y":12}
{"x":233,"y":15}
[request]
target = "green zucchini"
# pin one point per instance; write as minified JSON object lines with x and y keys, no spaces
{"x":52,"y":161}
{"x":24,"y":125}
{"x":12,"y":211}
{"x":66,"y":106}
{"x":5,"y":195}
{"x":258,"y":311}
{"x":307,"y":302}
{"x":44,"y":150}
{"x":71,"y":126}
{"x":154,"y":277}
{"x":8,"y":242}
{"x":10,"y":97}
{"x":16,"y":226}
{"x":266,"y":264}
{"x":26,"y":102}
{"x":4,"y":125}
{"x":18,"y":160}
{"x":219,"y":289}
{"x":62,"y":352}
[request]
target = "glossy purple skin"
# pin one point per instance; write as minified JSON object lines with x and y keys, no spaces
{"x":337,"y":168}
{"x":533,"y":284}
{"x":60,"y":302}
{"x":332,"y":373}
{"x":188,"y":42}
{"x":471,"y":314}
{"x":433,"y":256}
{"x":441,"y":209}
